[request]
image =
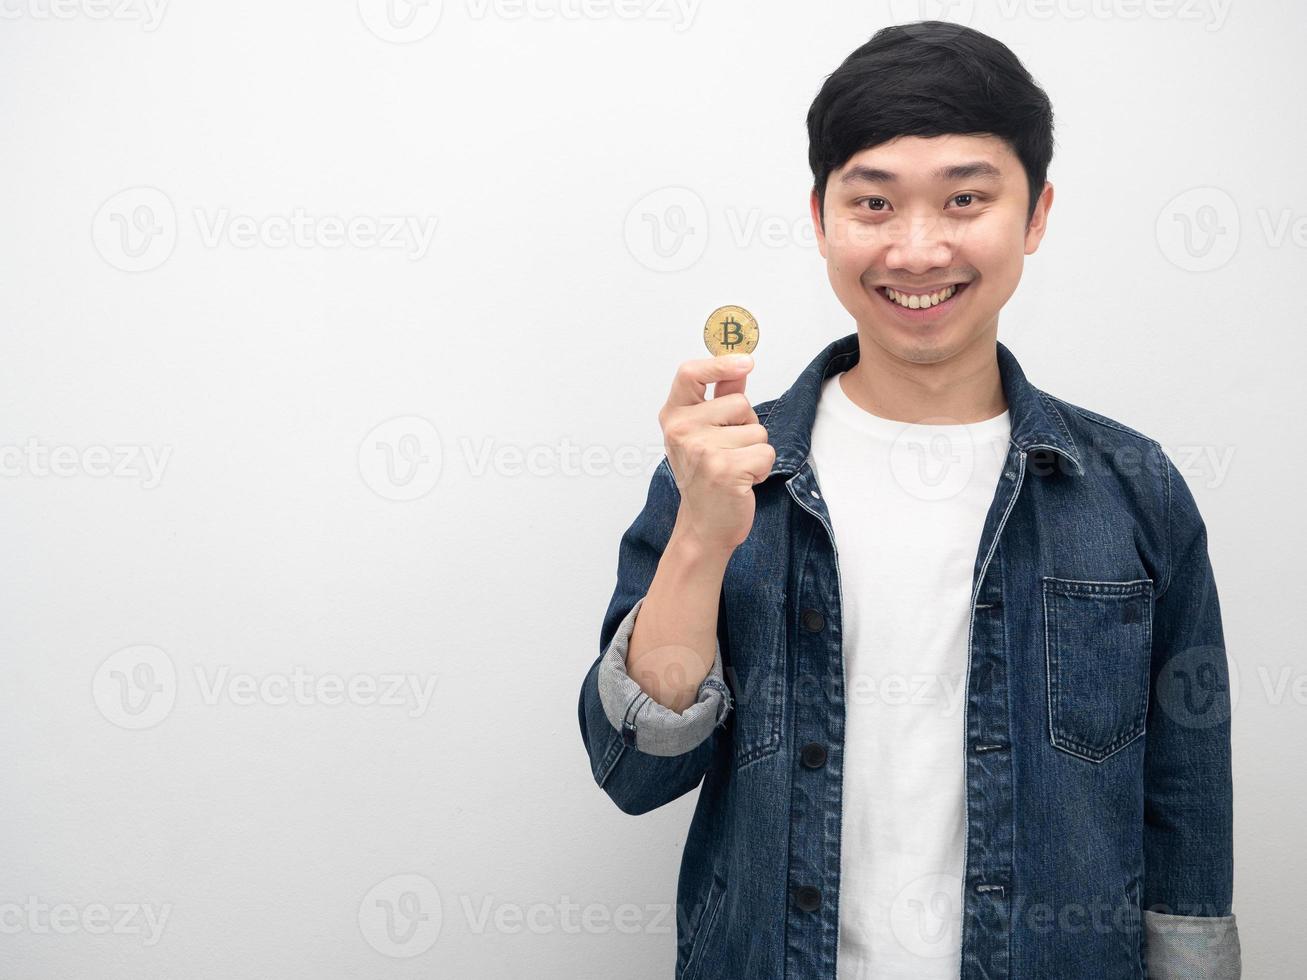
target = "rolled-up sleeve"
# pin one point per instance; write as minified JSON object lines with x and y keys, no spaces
{"x":1192,"y":947}
{"x":649,"y":726}
{"x":643,"y":754}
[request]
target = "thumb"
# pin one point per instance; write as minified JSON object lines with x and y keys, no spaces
{"x":729,"y":386}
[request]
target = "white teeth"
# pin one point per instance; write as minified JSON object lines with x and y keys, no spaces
{"x":921,"y":302}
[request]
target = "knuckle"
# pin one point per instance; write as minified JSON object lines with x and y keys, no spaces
{"x":677,"y":429}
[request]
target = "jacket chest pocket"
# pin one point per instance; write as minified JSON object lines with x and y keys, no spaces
{"x":1098,"y":639}
{"x":755,"y":672}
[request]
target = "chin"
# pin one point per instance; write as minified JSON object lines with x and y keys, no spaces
{"x":916,"y":345}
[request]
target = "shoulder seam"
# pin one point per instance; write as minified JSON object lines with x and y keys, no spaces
{"x":1103,"y":420}
{"x":1166,"y":466}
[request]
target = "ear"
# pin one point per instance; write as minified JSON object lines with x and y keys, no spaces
{"x":815,"y":208}
{"x":1039,"y":220}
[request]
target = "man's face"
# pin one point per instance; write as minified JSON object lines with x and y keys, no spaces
{"x":892,"y":220}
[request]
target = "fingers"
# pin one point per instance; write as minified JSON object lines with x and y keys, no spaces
{"x":724,"y":410}
{"x":730,"y":386}
{"x":741,"y":435}
{"x":758,"y":460}
{"x":693,"y":377}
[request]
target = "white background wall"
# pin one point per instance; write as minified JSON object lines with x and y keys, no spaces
{"x":282,"y":533}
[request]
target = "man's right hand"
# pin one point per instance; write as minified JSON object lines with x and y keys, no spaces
{"x":717,"y":449}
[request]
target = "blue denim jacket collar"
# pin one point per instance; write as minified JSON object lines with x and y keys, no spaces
{"x":1036,"y":423}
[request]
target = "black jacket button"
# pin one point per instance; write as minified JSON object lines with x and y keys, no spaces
{"x":813,"y":620}
{"x":807,"y":898}
{"x":813,"y":755}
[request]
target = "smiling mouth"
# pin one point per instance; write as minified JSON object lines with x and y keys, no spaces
{"x":922,"y":301}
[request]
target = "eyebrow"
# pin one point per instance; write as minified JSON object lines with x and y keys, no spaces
{"x":977,"y":169}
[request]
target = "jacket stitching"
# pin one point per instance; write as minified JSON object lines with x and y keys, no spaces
{"x":695,"y":963}
{"x":1057,"y":417}
{"x":1068,"y":743}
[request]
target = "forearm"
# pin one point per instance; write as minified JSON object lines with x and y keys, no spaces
{"x":674,"y":642}
{"x":643,"y":753}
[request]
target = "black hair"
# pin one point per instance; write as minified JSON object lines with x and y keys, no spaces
{"x":929,"y":78}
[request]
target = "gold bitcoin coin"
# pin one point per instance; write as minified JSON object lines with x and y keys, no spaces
{"x":730,"y":330}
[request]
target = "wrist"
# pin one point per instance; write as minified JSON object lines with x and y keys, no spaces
{"x":690,"y":547}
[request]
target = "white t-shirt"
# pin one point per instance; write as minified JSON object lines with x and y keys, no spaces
{"x":907,"y":503}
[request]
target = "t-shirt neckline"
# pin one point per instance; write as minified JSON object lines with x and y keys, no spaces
{"x":844,"y":408}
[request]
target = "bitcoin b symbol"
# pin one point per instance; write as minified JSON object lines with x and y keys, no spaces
{"x":731,"y":334}
{"x":730,"y":330}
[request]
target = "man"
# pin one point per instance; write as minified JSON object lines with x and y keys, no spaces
{"x":960,"y":709}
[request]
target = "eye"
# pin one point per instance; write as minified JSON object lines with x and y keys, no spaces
{"x":879,"y":204}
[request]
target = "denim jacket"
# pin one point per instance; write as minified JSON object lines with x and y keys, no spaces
{"x":1097,"y":716}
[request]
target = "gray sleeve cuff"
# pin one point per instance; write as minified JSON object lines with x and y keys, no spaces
{"x":642,"y":721}
{"x":1192,"y":947}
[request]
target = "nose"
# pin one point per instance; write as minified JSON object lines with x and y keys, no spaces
{"x":919,"y":244}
